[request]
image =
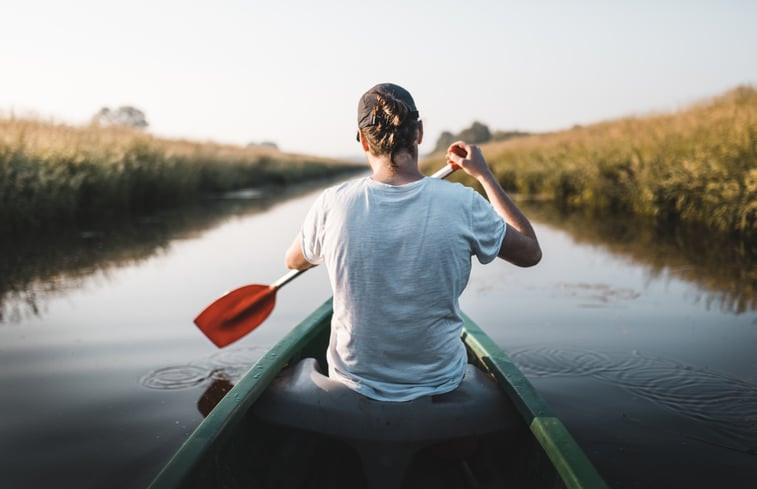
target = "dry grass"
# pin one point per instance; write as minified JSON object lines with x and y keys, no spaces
{"x":59,"y":174}
{"x":697,"y":165}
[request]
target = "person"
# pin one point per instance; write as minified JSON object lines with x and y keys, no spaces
{"x":398,"y":246}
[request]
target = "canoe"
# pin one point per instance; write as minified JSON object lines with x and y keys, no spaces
{"x":501,"y":434}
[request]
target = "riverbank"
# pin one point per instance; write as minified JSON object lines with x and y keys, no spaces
{"x":698,"y":165}
{"x":59,"y":175}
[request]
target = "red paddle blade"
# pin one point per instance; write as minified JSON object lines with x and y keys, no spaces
{"x":236,"y":313}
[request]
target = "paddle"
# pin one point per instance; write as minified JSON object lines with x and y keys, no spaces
{"x":236,"y":313}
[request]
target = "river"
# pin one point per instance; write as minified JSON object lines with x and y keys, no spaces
{"x":643,"y":344}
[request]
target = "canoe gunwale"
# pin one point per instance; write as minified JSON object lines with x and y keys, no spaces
{"x":569,"y":460}
{"x":236,"y":403}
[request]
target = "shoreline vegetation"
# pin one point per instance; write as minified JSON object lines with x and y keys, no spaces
{"x":55,"y":175}
{"x":694,"y":166}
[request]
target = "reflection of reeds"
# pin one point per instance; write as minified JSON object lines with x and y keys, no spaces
{"x":721,"y":267}
{"x":53,"y":173}
{"x":697,"y":165}
{"x":35,"y":267}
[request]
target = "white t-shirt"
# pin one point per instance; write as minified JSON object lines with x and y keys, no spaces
{"x":398,"y":258}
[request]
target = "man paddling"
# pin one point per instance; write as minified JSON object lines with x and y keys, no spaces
{"x":397,"y":247}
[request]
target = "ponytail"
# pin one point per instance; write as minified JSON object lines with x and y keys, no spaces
{"x":393,"y":127}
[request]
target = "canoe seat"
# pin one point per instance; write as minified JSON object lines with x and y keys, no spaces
{"x":385,"y":434}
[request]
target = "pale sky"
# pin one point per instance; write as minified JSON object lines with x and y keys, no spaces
{"x":292,"y":72}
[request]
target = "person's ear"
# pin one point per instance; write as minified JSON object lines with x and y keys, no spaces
{"x":420,"y":132}
{"x":362,"y":140}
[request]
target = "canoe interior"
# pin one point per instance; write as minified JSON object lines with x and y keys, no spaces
{"x":265,"y":456}
{"x":234,"y":449}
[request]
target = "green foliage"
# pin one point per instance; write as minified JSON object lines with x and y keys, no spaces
{"x":60,"y":175}
{"x":446,"y":138}
{"x":126,"y":116}
{"x":698,"y":165}
{"x":477,"y":133}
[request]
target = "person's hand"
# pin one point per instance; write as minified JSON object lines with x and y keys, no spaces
{"x":468,"y":157}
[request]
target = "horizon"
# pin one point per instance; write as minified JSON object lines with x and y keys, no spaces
{"x":252,"y":73}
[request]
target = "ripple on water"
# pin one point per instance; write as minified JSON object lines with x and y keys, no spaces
{"x":726,"y":405}
{"x":597,"y":294}
{"x":228,"y":364}
{"x":543,"y":361}
{"x":172,"y":378}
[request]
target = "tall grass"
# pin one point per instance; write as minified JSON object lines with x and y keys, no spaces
{"x":58,"y":174}
{"x":698,"y":165}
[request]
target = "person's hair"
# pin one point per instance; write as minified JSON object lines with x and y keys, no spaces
{"x":395,"y":128}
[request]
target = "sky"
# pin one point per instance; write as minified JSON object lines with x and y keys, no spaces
{"x":291,"y":72}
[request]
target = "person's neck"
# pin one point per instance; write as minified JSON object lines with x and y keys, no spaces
{"x":404,"y":171}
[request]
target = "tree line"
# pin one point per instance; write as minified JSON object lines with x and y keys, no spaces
{"x":477,"y":133}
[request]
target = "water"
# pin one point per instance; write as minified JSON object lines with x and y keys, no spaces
{"x":644,"y":348}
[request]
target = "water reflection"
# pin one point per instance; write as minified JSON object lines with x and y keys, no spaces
{"x":35,"y":268}
{"x":228,"y":364}
{"x":597,"y":295}
{"x":724,"y":407}
{"x":213,"y":395}
{"x":220,"y":371}
{"x":722,"y":267}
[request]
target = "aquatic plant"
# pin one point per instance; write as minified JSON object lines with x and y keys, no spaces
{"x":697,"y":165}
{"x":52,"y":174}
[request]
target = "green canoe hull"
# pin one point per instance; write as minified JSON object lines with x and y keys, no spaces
{"x":232,"y":448}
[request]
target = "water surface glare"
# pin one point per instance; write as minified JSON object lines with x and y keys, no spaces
{"x":650,"y":365}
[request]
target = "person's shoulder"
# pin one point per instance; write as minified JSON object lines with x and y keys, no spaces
{"x":342,"y":190}
{"x":447,"y":187}
{"x":348,"y":186}
{"x":342,"y":186}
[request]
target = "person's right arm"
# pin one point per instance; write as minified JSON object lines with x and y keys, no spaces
{"x":520,"y":246}
{"x":295,"y":258}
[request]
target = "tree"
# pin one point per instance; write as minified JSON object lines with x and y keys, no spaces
{"x":264,"y":144}
{"x":445,"y":139}
{"x":477,"y":133}
{"x":125,"y":115}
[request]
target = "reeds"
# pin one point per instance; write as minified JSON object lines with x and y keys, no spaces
{"x":54,"y":174}
{"x":698,"y":165}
